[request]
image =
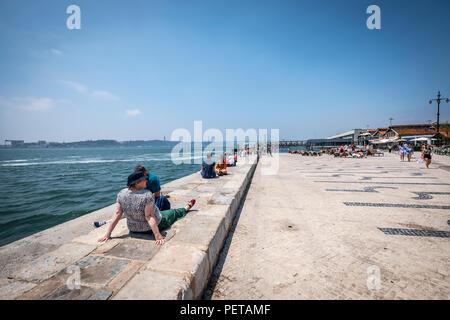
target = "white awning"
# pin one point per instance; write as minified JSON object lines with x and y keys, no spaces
{"x":426,"y":136}
{"x":423,"y":139}
{"x":383,"y":141}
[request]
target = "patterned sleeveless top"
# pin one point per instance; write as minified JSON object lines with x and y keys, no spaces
{"x":133,"y":204}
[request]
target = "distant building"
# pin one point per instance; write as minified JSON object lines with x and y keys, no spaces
{"x":336,"y":142}
{"x":411,"y":133}
{"x":42,"y":144}
{"x":348,"y":137}
{"x":379,"y":134}
{"x":366,"y":136}
{"x":351,"y":135}
{"x":14,"y":143}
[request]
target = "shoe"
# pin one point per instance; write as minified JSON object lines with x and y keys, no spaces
{"x":191,"y":204}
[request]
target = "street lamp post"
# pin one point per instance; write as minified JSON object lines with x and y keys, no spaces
{"x":438,"y":100}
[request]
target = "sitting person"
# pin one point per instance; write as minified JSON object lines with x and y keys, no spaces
{"x":208,"y":165}
{"x":230,"y":160}
{"x":153,"y":185}
{"x":221,"y":167}
{"x":137,"y":204}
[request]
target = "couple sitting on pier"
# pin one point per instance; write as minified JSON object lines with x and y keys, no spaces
{"x":210,"y":169}
{"x":137,"y":203}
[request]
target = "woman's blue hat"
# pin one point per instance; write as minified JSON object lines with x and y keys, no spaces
{"x":135,"y":177}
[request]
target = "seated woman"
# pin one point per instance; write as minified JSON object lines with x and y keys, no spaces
{"x":137,"y":204}
{"x":221,"y":167}
{"x":230,"y":160}
{"x":225,"y":158}
{"x":208,"y":165}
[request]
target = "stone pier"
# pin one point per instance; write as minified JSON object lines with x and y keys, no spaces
{"x":67,"y":261}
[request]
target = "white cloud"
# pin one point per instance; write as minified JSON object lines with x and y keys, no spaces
{"x":30,"y":104}
{"x":76,"y":86}
{"x":99,"y":94}
{"x":56,"y":51}
{"x":133,"y":112}
{"x":104,"y":95}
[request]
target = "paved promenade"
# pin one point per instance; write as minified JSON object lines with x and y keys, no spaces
{"x":329,"y":228}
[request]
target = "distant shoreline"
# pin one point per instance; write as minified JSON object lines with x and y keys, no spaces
{"x":18,"y":144}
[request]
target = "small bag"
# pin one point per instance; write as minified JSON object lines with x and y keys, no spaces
{"x":420,"y":160}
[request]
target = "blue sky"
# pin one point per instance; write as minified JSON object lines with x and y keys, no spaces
{"x":140,"y":69}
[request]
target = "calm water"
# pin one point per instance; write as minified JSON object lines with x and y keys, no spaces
{"x":41,"y":188}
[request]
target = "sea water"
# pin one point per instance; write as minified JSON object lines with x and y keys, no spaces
{"x":40,"y":188}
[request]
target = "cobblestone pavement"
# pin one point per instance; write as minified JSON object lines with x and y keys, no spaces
{"x":297,"y":237}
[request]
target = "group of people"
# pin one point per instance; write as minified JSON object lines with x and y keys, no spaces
{"x":352,"y":151}
{"x":211,"y":170}
{"x":407,"y":150}
{"x":146,"y":209}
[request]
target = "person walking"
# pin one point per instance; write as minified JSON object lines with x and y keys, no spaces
{"x":409,"y":152}
{"x":401,"y":152}
{"x":427,"y":152}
